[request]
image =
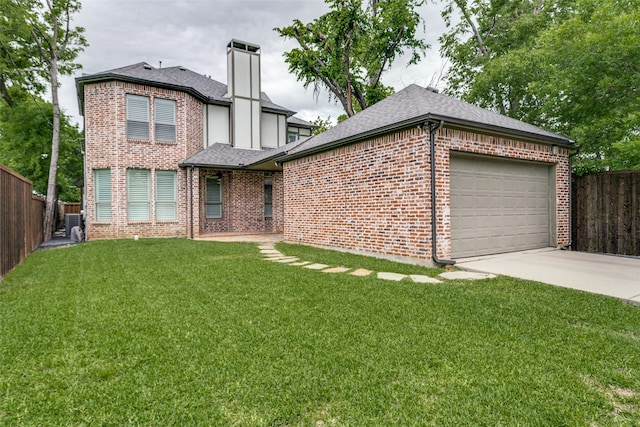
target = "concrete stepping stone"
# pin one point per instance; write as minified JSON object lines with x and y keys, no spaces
{"x":336,"y":270}
{"x":266,"y":247}
{"x":466,"y":275}
{"x":418,"y":278}
{"x":316,"y":266}
{"x":285,"y":260}
{"x":271,"y":252}
{"x":361,"y":272}
{"x":391,"y":276}
{"x":300,"y":264}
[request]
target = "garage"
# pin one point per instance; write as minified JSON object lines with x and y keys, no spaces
{"x":500,"y":205}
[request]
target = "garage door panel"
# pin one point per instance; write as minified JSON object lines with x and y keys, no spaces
{"x":498,"y":205}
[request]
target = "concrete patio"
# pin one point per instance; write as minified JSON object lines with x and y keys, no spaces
{"x":610,"y":275}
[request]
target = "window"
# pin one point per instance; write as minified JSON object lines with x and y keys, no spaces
{"x":213,"y":198}
{"x":166,"y":195}
{"x":137,"y":117}
{"x":138,"y":194}
{"x":102,"y":183}
{"x":164,"y":112}
{"x":268,"y":198}
{"x":292,"y":136}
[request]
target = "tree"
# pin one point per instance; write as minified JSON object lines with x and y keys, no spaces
{"x":52,"y":44}
{"x":348,"y":49}
{"x":570,"y":66}
{"x":25,"y":144}
{"x":322,"y":125}
{"x":18,"y":59}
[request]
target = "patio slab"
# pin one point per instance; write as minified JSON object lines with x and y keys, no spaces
{"x":610,"y":275}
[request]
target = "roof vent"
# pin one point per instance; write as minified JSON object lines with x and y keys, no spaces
{"x":147,"y":67}
{"x":182,"y":68}
{"x":432,"y":89}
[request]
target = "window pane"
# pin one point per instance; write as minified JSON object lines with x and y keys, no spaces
{"x":214,"y":195}
{"x":166,"y":195}
{"x":165,"y":133}
{"x":137,"y":130}
{"x":214,"y":211}
{"x":102,"y":184}
{"x":268,"y":198}
{"x":213,"y":198}
{"x":137,"y":117}
{"x":138,"y":194}
{"x":165,"y":111}
{"x":137,"y":108}
{"x":165,"y":119}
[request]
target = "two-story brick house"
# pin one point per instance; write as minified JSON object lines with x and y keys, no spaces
{"x":419,"y":175}
{"x":170,"y":152}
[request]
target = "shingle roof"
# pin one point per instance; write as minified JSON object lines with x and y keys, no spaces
{"x":414,"y":105}
{"x":178,"y":78}
{"x":300,"y":123}
{"x":227,"y":157}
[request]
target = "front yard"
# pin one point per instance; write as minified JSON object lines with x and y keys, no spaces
{"x":178,"y":332}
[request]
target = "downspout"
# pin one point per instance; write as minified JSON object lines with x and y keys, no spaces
{"x":569,"y":246}
{"x":433,"y":128}
{"x":191,"y":199}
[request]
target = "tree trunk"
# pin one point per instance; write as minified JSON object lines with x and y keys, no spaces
{"x":49,"y":213}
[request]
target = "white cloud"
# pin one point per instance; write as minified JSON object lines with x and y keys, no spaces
{"x":195,"y":33}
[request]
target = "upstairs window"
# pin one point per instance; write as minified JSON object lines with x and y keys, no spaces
{"x":137,"y":117}
{"x":166,"y":195}
{"x":213,"y":197}
{"x":292,"y":136}
{"x":138,"y":190}
{"x":102,"y":179}
{"x":268,"y":198}
{"x":164,"y":111}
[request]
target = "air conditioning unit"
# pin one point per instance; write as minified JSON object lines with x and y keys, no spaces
{"x":70,"y":221}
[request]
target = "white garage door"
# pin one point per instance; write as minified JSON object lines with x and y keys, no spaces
{"x":499,"y":205}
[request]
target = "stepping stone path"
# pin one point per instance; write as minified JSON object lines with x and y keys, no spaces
{"x":272,"y":254}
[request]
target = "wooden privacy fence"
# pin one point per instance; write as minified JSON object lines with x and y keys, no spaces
{"x":21,"y":216}
{"x":606,"y":213}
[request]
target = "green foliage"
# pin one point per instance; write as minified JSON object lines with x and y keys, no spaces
{"x":348,"y":49}
{"x":570,"y":66}
{"x":323,"y":125}
{"x":25,"y":144}
{"x":110,"y":333}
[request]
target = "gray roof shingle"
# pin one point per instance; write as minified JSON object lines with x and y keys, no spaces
{"x":225,"y":156}
{"x":179,"y":78}
{"x":412,"y":106}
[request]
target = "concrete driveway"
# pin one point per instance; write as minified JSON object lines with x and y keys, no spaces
{"x":596,"y":273}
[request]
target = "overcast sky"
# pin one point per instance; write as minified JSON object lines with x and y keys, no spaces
{"x":195,"y":33}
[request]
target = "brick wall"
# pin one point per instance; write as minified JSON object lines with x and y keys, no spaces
{"x":374,"y":196}
{"x":243,"y":203}
{"x":107,"y":147}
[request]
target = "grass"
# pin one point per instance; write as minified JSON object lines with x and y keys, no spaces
{"x":178,"y":332}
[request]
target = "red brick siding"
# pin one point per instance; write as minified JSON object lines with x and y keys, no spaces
{"x":374,"y":196}
{"x":243,"y":203}
{"x":108,"y":147}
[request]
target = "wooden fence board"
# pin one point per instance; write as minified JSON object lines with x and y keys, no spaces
{"x":21,"y":218}
{"x":606,"y":213}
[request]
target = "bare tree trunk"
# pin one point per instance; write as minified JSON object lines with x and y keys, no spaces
{"x":49,"y":213}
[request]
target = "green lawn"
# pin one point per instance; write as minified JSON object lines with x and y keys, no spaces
{"x":177,"y":332}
